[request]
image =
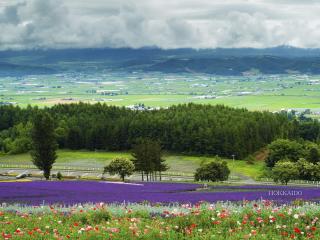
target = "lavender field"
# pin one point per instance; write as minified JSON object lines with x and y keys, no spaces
{"x":73,"y":192}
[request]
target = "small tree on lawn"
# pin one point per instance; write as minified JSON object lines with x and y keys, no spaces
{"x":213,"y":171}
{"x":120,"y":166}
{"x":44,"y":144}
{"x":284,"y":171}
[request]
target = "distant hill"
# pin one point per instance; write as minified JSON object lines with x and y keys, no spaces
{"x":240,"y":65}
{"x":220,"y":61}
{"x":9,"y":69}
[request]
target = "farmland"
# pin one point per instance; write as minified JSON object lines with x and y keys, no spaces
{"x":255,"y":92}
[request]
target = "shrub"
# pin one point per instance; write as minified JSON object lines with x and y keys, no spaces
{"x":250,"y":160}
{"x":92,"y":216}
{"x":59,"y":176}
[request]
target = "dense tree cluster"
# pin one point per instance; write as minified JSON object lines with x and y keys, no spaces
{"x":147,"y":159}
{"x":284,"y":149}
{"x":191,"y":128}
{"x":290,"y":160}
{"x":286,"y":170}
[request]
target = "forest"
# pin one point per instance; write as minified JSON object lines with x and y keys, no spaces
{"x":189,"y":128}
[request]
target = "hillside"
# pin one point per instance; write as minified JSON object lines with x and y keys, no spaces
{"x":278,"y":60}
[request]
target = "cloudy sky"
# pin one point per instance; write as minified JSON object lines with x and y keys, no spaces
{"x":28,"y":24}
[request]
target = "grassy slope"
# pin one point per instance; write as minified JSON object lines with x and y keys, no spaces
{"x":177,"y":163}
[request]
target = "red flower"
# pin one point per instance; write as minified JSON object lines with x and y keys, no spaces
{"x":253,"y":232}
{"x":297,"y":230}
{"x":216,"y":222}
{"x":313,"y":228}
{"x":6,"y":236}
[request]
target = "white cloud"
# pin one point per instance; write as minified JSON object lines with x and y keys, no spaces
{"x":162,"y":23}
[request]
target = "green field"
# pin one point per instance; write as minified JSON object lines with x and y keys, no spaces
{"x":265,"y":92}
{"x":271,"y":103}
{"x":177,"y":163}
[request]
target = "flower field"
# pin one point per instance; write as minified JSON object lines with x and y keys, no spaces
{"x":106,"y":210}
{"x":74,"y":192}
{"x":246,"y":220}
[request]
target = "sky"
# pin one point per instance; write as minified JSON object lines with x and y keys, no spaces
{"x":34,"y":24}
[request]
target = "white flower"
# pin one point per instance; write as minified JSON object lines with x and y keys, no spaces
{"x":296,"y":216}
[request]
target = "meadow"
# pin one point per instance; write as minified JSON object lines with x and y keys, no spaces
{"x":182,"y":164}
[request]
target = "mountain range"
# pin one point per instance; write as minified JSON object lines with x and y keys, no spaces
{"x":278,"y":60}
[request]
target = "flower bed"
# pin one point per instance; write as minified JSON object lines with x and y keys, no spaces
{"x":248,"y":220}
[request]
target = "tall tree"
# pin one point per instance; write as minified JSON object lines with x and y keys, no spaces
{"x":147,"y":158}
{"x":44,"y":143}
{"x":159,"y":163}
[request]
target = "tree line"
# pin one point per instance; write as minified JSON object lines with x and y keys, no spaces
{"x":189,"y":128}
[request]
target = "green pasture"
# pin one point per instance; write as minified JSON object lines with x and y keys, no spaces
{"x":177,"y":163}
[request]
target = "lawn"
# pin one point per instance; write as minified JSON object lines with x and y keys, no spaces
{"x":177,"y":163}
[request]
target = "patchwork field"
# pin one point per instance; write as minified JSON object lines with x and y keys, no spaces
{"x":257,"y":92}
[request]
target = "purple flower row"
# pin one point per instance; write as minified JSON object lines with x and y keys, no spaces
{"x":73,"y":192}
